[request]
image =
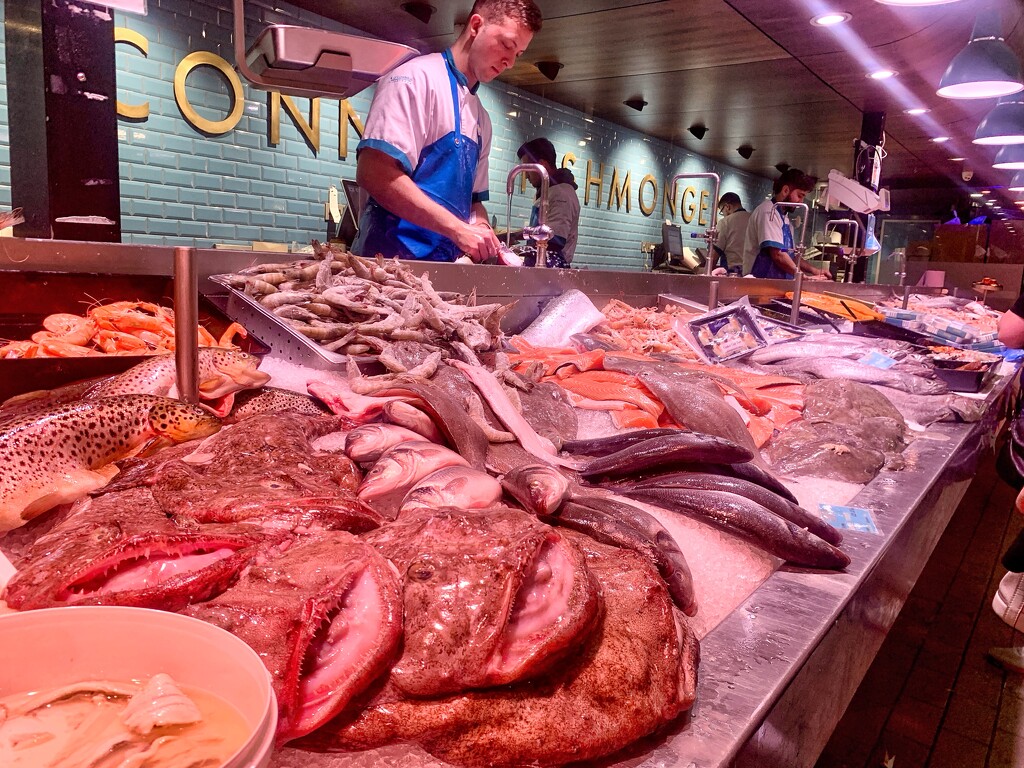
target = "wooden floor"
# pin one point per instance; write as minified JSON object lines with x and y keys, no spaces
{"x":931,"y":699}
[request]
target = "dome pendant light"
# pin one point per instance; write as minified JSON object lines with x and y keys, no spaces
{"x":1017,"y":183}
{"x":1010,"y":158}
{"x":1004,"y":124}
{"x":985,"y":68}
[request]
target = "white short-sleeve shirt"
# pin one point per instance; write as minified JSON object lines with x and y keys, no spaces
{"x":412,"y":109}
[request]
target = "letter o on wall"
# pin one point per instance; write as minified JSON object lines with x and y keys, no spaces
{"x":199,"y":59}
{"x":646,"y":209}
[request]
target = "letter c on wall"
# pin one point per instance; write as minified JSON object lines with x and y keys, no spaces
{"x":199,"y":59}
{"x":130,"y":36}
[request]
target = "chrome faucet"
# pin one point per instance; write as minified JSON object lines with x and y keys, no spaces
{"x":798,"y":257}
{"x":851,"y":260}
{"x":542,"y":232}
{"x":711,"y":233}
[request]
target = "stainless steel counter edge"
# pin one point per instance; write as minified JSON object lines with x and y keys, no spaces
{"x":778,"y":673}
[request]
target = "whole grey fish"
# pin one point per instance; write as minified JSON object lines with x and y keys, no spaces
{"x":602,"y":446}
{"x":455,"y":486}
{"x":540,"y":488}
{"x":771,"y":501}
{"x":748,"y":520}
{"x":839,"y":368}
{"x":800,"y":349}
{"x":667,"y":451}
{"x":567,"y":315}
{"x":369,"y":442}
{"x":625,"y":526}
{"x":928,"y":409}
{"x":697,"y":402}
{"x":401,"y":467}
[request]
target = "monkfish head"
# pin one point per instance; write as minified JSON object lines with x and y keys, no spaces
{"x":491,"y":597}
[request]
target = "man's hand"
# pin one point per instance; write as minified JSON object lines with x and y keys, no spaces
{"x":478,"y":240}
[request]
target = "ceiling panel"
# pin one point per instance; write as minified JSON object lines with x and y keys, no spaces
{"x":752,"y":71}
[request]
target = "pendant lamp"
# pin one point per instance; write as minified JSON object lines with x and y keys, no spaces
{"x":1004,"y":124}
{"x":1017,"y":183}
{"x":986,"y":67}
{"x":1010,"y":158}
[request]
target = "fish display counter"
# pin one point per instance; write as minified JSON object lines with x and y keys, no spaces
{"x":782,"y":610}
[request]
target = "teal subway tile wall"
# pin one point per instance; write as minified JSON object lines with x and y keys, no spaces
{"x":5,"y":137}
{"x":252,"y":177}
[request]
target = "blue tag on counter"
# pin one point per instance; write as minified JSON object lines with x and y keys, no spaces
{"x":876,"y":359}
{"x":849,"y":518}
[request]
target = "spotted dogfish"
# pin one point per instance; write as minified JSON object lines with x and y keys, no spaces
{"x":59,"y":455}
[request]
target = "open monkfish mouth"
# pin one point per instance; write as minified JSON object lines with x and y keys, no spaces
{"x":346,"y":636}
{"x":145,"y":568}
{"x":539,"y":607}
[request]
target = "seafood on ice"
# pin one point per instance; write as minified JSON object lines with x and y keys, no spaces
{"x":118,"y":328}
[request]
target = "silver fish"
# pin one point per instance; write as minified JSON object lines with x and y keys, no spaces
{"x":838,"y":368}
{"x":369,"y":442}
{"x":455,"y":486}
{"x":403,"y":466}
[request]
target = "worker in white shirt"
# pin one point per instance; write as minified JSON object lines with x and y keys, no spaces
{"x":732,"y":232}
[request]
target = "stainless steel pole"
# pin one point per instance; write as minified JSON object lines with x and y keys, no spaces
{"x":186,"y":323}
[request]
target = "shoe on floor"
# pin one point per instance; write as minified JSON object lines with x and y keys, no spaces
{"x":1008,"y":601}
{"x":1010,"y":659}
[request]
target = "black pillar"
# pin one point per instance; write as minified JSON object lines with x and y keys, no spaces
{"x":62,"y":90}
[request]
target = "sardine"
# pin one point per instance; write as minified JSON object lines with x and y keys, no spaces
{"x":403,"y":466}
{"x":455,"y":486}
{"x":667,"y":451}
{"x":564,"y":316}
{"x":63,"y":454}
{"x":540,"y":488}
{"x":369,"y":442}
{"x":771,"y":501}
{"x":748,"y":520}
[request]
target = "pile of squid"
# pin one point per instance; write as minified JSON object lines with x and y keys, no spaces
{"x":356,"y":306}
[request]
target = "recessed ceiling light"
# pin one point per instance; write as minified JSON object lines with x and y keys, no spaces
{"x":916,"y":111}
{"x":831,"y":19}
{"x":915,"y":2}
{"x":957,"y":159}
{"x":882,"y":74}
{"x":940,"y":139}
{"x":986,"y":191}
{"x":975,"y":194}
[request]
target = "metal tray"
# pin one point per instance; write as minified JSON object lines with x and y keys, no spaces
{"x":27,"y":297}
{"x":284,"y":341}
{"x":963,"y":381}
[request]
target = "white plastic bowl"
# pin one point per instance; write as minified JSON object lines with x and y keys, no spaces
{"x":56,"y":646}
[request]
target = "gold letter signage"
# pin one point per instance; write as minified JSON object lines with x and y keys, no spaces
{"x":211,"y":127}
{"x":132,"y":111}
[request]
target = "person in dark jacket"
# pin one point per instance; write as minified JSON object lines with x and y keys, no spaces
{"x":563,"y":202}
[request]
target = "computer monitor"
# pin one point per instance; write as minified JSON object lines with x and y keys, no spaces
{"x":672,"y":241}
{"x":355,"y":198}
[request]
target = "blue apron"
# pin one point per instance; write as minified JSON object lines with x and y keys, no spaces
{"x":764,"y":264}
{"x":445,"y":172}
